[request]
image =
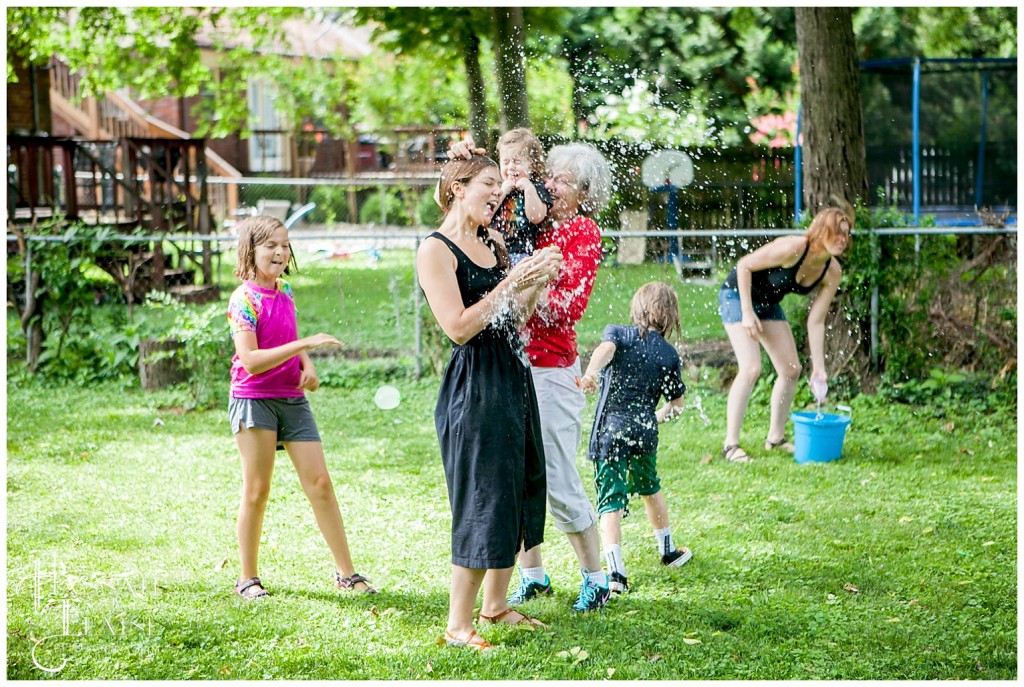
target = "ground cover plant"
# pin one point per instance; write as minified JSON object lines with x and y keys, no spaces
{"x":896,"y":562}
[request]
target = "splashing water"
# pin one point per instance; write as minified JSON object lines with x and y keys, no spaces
{"x":819,"y":387}
{"x":700,"y":411}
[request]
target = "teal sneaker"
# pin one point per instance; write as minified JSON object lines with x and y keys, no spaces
{"x":592,"y":597}
{"x":528,"y":589}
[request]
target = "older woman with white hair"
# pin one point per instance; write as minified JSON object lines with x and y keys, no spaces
{"x":579,"y":180}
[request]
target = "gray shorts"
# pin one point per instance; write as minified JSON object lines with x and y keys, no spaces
{"x":291,"y":418}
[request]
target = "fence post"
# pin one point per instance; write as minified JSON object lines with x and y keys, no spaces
{"x":916,"y":135}
{"x":417,"y":307}
{"x":874,"y":300}
{"x":979,"y":172}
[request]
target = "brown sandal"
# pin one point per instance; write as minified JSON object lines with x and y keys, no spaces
{"x":470,"y":641}
{"x":523,"y":618}
{"x":351,"y":582}
{"x":734,"y":454}
{"x":780,"y":444}
{"x":244,"y":586}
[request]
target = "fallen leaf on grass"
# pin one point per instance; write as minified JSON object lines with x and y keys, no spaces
{"x":706,"y":458}
{"x":654,"y":658}
{"x":905,"y":519}
{"x":633,"y":612}
{"x":428,"y":668}
{"x":576,"y":653}
{"x":691,"y":640}
{"x":893,"y":620}
{"x":158,"y":422}
{"x":927,"y":530}
{"x":226,"y":670}
{"x":611,"y":671}
{"x":988,"y":543}
{"x":851,"y":588}
{"x":912,"y":602}
{"x":220,"y":566}
{"x":964,"y":449}
{"x":948,"y":426}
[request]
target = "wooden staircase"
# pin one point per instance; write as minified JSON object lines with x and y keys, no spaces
{"x":124,"y":169}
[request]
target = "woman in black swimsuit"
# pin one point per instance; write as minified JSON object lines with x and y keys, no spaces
{"x":487,"y":421}
{"x":749,"y":305}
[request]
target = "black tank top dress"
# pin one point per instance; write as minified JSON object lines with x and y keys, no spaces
{"x":770,"y":286}
{"x":488,"y":427}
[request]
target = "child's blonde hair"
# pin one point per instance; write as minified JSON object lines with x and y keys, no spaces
{"x":527,"y":141}
{"x":655,"y":307}
{"x":252,"y":232}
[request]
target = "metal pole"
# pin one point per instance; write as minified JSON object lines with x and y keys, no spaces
{"x":979,"y":173}
{"x":874,"y":327}
{"x":917,"y":140}
{"x":29,"y":297}
{"x":417,"y":308}
{"x":798,"y":166}
{"x":874,"y":300}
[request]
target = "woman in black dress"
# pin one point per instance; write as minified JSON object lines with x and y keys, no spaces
{"x":487,"y":421}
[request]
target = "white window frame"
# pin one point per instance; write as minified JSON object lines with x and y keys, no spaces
{"x":267,"y":153}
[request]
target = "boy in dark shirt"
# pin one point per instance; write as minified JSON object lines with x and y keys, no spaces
{"x":641,"y":368}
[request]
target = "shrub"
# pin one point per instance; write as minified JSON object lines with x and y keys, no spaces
{"x":428,"y":213}
{"x":206,"y":344}
{"x":331,"y":205}
{"x":395,"y":211}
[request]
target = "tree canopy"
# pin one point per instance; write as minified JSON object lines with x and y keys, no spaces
{"x":664,"y":75}
{"x":155,"y":52}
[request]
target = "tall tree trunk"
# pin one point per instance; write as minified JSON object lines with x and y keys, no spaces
{"x":833,"y":128}
{"x":509,"y":51}
{"x":475,"y":86}
{"x":577,"y":62}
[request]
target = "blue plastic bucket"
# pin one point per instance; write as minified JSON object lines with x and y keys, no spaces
{"x":819,"y":440}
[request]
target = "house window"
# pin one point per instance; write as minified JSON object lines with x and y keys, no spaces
{"x":268,"y":145}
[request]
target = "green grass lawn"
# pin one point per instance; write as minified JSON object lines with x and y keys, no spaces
{"x":896,"y":562}
{"x":370,"y":305}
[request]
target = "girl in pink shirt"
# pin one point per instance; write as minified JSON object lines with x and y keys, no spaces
{"x":270,"y":373}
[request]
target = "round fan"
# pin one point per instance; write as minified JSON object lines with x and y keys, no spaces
{"x":667,"y":167}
